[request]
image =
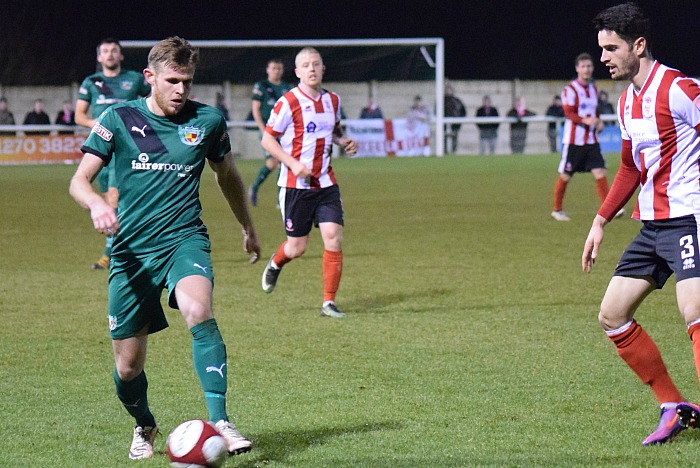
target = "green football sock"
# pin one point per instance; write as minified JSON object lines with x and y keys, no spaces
{"x":209,"y":357}
{"x":134,"y":397}
{"x":262,"y":175}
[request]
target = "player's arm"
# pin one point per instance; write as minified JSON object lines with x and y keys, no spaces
{"x":233,"y":189}
{"x":339,"y":138}
{"x":273,"y":147}
{"x":104,"y":217}
{"x":81,"y":114}
{"x":257,"y":114}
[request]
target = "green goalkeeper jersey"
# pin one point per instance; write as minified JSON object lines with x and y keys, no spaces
{"x":158,"y":162}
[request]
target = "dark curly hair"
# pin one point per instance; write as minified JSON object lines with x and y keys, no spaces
{"x":627,"y":20}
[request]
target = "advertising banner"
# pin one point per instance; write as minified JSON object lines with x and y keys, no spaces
{"x":41,"y":149}
{"x":396,"y":137}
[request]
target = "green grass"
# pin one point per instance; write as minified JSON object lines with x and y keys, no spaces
{"x":471,"y":337}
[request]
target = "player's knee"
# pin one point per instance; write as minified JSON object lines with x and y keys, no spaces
{"x":128,"y":370}
{"x":611,"y":320}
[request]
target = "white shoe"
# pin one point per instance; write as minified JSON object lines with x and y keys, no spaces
{"x":620,"y":213}
{"x":560,"y":216}
{"x":142,"y":445}
{"x":235,"y":442}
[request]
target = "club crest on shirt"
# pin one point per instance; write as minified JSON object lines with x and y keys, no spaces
{"x":191,"y":136}
{"x":126,"y":85}
{"x":647,"y":112}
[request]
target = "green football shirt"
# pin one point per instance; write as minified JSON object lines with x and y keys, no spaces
{"x":158,"y":162}
{"x":268,"y":94}
{"x":103,"y":91}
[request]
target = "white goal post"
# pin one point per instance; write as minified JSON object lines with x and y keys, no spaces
{"x":437,"y":63}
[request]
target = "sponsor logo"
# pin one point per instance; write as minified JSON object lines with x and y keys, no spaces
{"x":197,"y":265}
{"x":688,"y":264}
{"x":288,"y":225}
{"x":112,"y":322}
{"x":310,"y":127}
{"x":105,"y":134}
{"x":219,"y":370}
{"x":144,"y":164}
{"x":142,"y":131}
{"x":99,"y":84}
{"x":191,"y":136}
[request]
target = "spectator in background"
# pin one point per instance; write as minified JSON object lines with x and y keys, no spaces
{"x":418,"y":111}
{"x":605,"y":106}
{"x":6,"y":117}
{"x":221,"y":105}
{"x":65,"y":116}
{"x":37,"y":117}
{"x":453,"y":108}
{"x":371,"y":111}
{"x":518,"y":130}
{"x":488,"y":132}
{"x":554,"y":110}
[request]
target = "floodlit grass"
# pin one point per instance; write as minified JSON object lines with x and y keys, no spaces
{"x":471,"y":337}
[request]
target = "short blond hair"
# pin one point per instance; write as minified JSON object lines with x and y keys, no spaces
{"x":306,"y":50}
{"x":174,"y":52}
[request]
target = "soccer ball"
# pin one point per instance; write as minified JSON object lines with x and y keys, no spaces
{"x":196,"y":443}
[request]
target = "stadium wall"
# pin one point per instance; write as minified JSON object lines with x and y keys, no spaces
{"x":393,"y":97}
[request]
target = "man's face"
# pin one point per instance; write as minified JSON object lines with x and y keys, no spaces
{"x":110,"y":56}
{"x":170,"y":87}
{"x":584,"y":70}
{"x":309,"y":69}
{"x":275,"y":71}
{"x":618,"y":56}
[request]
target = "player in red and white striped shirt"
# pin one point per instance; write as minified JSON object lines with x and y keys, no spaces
{"x":580,"y":151}
{"x":659,"y":117}
{"x":306,"y":120}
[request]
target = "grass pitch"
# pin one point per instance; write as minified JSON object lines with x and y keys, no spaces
{"x":471,"y":337}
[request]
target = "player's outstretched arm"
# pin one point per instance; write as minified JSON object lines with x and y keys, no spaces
{"x":231,"y":184}
{"x":593,"y":241}
{"x":104,"y":218}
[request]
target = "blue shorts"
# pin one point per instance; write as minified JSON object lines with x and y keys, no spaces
{"x":663,"y":248}
{"x":136,"y":283}
{"x":304,"y":208}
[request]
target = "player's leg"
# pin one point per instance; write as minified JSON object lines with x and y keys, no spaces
{"x":194,"y":299}
{"x":132,"y":390}
{"x":330,"y":219}
{"x":267,"y":168}
{"x":565,"y":170}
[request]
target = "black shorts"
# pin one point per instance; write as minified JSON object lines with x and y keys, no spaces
{"x":581,"y":159}
{"x":662,"y":248}
{"x":304,"y":208}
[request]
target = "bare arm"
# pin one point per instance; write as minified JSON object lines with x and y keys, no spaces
{"x":346,"y":143}
{"x":231,"y":184}
{"x":81,"y":114}
{"x":273,"y":147}
{"x":593,"y":241}
{"x":257,"y":115}
{"x":104,"y":217}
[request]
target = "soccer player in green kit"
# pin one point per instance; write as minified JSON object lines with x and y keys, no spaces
{"x":97,"y":92}
{"x":159,"y":146}
{"x":265,"y":95}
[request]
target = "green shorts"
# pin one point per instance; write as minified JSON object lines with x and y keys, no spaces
{"x":136,"y":283}
{"x":106,"y":178}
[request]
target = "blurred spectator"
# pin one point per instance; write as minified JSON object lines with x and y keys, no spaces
{"x":554,"y":110}
{"x":6,"y":117}
{"x":605,"y":106}
{"x":418,"y":111}
{"x":65,"y":116}
{"x":453,"y":108}
{"x":221,"y":105}
{"x":371,"y":111}
{"x":518,"y":130}
{"x":37,"y":117}
{"x":488,"y":132}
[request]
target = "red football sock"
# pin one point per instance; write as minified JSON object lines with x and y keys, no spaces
{"x":601,"y":188}
{"x":694,"y":332}
{"x":640,"y":353}
{"x":559,"y":191}
{"x":332,"y":270}
{"x":280,"y":258}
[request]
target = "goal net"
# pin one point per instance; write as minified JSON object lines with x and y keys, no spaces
{"x":389,"y":72}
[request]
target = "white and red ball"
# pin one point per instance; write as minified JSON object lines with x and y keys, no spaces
{"x":195,"y":443}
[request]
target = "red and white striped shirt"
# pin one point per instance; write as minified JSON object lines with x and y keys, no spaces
{"x":661,"y":122}
{"x":579,"y":101}
{"x":305,"y":128}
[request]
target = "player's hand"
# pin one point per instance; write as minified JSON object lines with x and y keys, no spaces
{"x":251,"y":244}
{"x":592,"y":244}
{"x":350,"y":146}
{"x":104,"y":218}
{"x":300,"y":170}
